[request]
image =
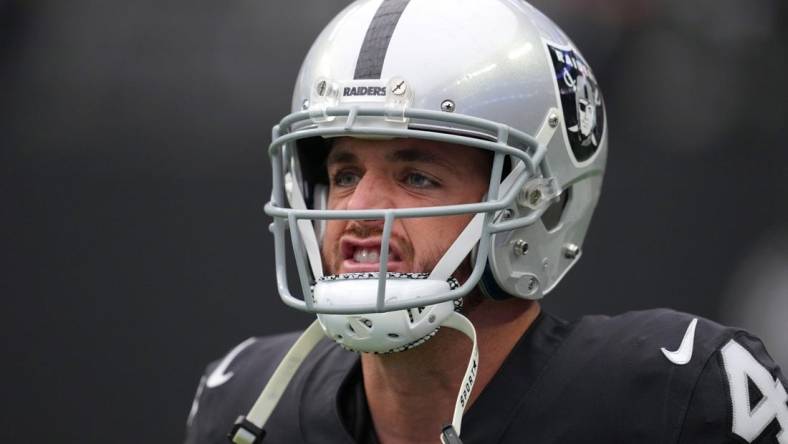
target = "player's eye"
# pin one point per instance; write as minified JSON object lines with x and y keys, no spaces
{"x":418,"y":180}
{"x":345,"y":178}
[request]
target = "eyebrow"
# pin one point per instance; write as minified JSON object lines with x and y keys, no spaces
{"x":400,"y":155}
{"x":340,"y":156}
{"x":412,"y":155}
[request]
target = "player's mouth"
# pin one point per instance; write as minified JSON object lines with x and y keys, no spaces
{"x":361,"y":256}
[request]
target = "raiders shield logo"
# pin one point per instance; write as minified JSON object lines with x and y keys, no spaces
{"x":581,"y":101}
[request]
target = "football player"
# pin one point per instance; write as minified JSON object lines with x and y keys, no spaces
{"x":435,"y":179}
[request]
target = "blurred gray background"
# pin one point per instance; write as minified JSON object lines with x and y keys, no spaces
{"x":134,"y":248}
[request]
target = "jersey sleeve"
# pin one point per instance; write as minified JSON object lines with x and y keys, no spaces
{"x":740,"y":397}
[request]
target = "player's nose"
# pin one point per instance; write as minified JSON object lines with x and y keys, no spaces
{"x":373,"y":191}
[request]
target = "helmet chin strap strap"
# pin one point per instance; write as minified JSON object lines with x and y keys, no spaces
{"x":451,"y":434}
{"x":249,"y":429}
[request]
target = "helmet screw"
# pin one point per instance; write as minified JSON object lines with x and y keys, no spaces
{"x":399,"y":87}
{"x":571,"y":251}
{"x":321,"y":87}
{"x":525,"y":284}
{"x":305,"y":104}
{"x":552,"y":120}
{"x":448,"y":106}
{"x":534,"y":197}
{"x":520,"y":247}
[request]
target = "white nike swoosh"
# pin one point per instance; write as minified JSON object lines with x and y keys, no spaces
{"x":218,"y":375}
{"x":683,"y":355}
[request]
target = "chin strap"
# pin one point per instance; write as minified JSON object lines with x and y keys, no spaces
{"x":451,"y":433}
{"x":249,"y":429}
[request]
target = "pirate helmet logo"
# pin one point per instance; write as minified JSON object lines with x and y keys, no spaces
{"x":581,"y":102}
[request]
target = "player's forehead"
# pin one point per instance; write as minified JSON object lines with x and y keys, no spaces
{"x":353,"y":150}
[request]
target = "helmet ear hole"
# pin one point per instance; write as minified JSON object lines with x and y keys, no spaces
{"x":552,"y":217}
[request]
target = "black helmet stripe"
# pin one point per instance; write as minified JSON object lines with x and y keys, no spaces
{"x":376,"y":42}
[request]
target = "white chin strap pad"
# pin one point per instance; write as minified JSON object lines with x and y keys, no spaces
{"x":380,"y":332}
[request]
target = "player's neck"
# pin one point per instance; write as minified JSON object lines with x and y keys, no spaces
{"x":411,"y":394}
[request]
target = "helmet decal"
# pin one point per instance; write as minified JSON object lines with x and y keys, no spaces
{"x":581,"y":101}
{"x":376,"y":41}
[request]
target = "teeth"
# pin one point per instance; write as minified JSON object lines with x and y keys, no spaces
{"x":365,"y":256}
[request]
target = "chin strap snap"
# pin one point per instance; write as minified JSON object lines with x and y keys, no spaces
{"x":249,"y":429}
{"x":450,"y":436}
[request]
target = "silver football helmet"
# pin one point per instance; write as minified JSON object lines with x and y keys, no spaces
{"x":496,"y":75}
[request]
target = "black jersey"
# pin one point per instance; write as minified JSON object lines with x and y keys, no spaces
{"x":599,"y":379}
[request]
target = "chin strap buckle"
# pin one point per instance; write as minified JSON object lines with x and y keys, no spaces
{"x":245,"y":432}
{"x":450,"y":436}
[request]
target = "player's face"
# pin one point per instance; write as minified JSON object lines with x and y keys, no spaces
{"x":399,"y":173}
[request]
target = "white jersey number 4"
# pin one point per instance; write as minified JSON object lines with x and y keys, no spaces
{"x":750,"y":421}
